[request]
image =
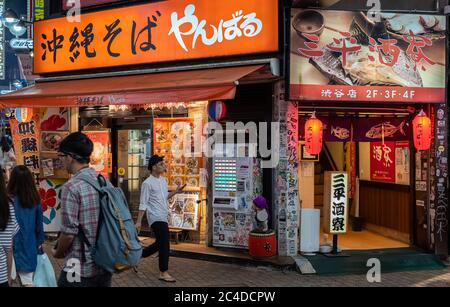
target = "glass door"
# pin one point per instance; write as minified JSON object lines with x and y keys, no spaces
{"x":134,"y":147}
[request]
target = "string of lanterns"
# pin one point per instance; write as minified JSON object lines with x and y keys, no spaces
{"x":422,"y":133}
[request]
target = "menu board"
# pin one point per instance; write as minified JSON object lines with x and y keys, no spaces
{"x":183,"y":211}
{"x":174,"y":140}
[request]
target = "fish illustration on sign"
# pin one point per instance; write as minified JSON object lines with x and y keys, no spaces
{"x":340,"y":133}
{"x":389,"y":130}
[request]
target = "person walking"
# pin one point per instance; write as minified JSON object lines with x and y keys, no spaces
{"x":8,"y":229}
{"x":154,"y":197}
{"x":7,"y":156}
{"x":80,"y":210}
{"x":27,"y":205}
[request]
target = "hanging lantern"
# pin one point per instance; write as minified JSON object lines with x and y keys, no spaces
{"x":24,"y":115}
{"x":217,"y":110}
{"x":313,"y":135}
{"x":422,"y":131}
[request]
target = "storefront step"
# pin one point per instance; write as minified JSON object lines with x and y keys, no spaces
{"x":391,"y":260}
{"x":231,"y":256}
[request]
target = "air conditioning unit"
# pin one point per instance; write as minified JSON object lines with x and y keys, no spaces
{"x":309,"y":230}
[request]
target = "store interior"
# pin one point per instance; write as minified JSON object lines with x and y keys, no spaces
{"x":374,"y":149}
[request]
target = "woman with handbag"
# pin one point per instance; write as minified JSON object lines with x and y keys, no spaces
{"x":29,"y":240}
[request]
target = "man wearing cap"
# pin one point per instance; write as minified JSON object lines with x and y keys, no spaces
{"x":154,"y":196}
{"x":80,"y":209}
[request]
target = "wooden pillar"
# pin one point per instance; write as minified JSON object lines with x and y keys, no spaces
{"x":74,"y":123}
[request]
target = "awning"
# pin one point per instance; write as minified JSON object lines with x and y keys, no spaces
{"x":183,"y":86}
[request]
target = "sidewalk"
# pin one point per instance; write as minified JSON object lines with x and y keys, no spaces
{"x":198,"y":273}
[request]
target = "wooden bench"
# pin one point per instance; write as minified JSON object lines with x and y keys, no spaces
{"x":175,"y":233}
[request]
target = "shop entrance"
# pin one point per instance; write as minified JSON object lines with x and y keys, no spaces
{"x":375,"y":151}
{"x":133,"y":149}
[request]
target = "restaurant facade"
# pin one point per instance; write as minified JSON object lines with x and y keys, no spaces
{"x":374,"y":83}
{"x":147,"y":78}
{"x":326,"y":86}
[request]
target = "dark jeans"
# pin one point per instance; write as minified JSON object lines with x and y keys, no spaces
{"x":161,"y":245}
{"x":99,"y":281}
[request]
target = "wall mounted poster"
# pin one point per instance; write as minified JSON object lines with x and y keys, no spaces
{"x":183,"y":211}
{"x":100,"y":158}
{"x":174,"y":139}
{"x":55,"y":119}
{"x":390,"y":162}
{"x":231,"y":228}
{"x":50,"y":193}
{"x":382,"y":161}
{"x":402,"y":163}
{"x":333,"y":57}
{"x":56,"y":167}
{"x":50,"y":140}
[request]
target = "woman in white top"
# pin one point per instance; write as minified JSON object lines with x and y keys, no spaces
{"x":154,"y":196}
{"x":8,"y":229}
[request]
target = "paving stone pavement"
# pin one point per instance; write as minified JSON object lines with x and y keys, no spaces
{"x":198,"y":273}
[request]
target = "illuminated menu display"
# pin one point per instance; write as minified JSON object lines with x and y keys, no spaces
{"x":225,"y":175}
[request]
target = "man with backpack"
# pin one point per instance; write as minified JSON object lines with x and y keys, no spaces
{"x":87,"y":222}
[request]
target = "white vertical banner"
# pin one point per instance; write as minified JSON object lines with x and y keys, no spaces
{"x":336,"y":202}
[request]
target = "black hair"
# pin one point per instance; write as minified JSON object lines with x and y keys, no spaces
{"x":4,"y":202}
{"x":5,"y":144}
{"x":78,"y":146}
{"x":22,"y":185}
{"x":155,"y":159}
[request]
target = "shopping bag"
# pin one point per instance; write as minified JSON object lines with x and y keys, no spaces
{"x":44,"y":275}
{"x":13,"y":270}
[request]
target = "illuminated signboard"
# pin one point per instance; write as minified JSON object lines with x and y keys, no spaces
{"x":156,"y":32}
{"x":345,"y":56}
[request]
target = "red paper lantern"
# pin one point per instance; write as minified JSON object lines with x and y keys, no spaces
{"x":422,"y":131}
{"x":313,"y":135}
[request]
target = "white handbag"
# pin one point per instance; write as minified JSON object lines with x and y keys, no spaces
{"x":13,"y":270}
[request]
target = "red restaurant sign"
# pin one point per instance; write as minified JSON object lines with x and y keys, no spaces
{"x":339,"y":61}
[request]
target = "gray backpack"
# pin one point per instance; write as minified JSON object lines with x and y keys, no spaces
{"x":117,"y":247}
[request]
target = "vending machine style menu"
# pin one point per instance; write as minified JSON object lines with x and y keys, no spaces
{"x":236,"y":182}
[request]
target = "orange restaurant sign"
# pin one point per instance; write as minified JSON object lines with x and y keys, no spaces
{"x":156,"y":32}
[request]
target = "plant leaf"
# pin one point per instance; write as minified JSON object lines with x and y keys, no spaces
{"x":53,"y":214}
{"x":46,"y":220}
